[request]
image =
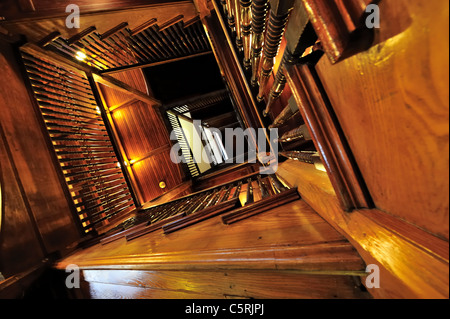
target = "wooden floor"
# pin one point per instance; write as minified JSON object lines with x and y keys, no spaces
{"x":287,"y":252}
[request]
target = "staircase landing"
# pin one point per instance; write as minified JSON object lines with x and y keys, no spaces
{"x":285,"y":252}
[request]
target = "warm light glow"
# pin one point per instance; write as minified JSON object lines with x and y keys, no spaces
{"x":80,"y":56}
{"x":162,"y":184}
{"x":98,"y":110}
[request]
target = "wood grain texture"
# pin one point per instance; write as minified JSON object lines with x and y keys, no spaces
{"x":392,"y":104}
{"x":260,"y":206}
{"x":328,"y":138}
{"x":334,"y":22}
{"x":218,"y":285}
{"x":20,"y":243}
{"x":282,"y":231}
{"x":413,"y":263}
{"x":289,"y":252}
{"x":35,"y":28}
{"x":32,"y":159}
{"x":143,"y":137}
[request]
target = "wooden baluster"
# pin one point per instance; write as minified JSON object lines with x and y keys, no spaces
{"x":140,"y":47}
{"x":246,"y":17}
{"x":238,"y":19}
{"x":216,"y":198}
{"x":224,"y":5}
{"x":90,"y":41}
{"x":286,"y":114}
{"x":187,"y":28}
{"x":227,"y":193}
{"x":201,"y":203}
{"x":250,"y":198}
{"x":259,"y":14}
{"x":189,"y":43}
{"x":110,"y":37}
{"x":144,"y":41}
{"x":168,"y":30}
{"x":157,"y":42}
{"x":212,"y":198}
{"x":279,"y":83}
{"x":263,"y":187}
{"x":299,"y":36}
{"x":72,"y":50}
{"x":298,"y":133}
{"x":230,"y":14}
{"x":279,"y":14}
{"x":276,"y":184}
{"x":125,"y":39}
{"x":200,"y":31}
{"x":238,"y":190}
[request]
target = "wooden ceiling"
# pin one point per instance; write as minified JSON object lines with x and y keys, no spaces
{"x":50,"y":16}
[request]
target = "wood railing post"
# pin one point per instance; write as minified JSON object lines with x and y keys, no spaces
{"x":246,"y":21}
{"x":297,"y":41}
{"x":279,"y":14}
{"x":259,"y":14}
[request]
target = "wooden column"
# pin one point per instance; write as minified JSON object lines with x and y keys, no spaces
{"x":259,"y":14}
{"x":246,"y":21}
{"x":279,"y":14}
{"x":230,"y":15}
{"x":237,"y":19}
{"x":299,"y":35}
{"x":286,"y":114}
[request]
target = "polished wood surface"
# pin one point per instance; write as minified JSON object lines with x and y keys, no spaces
{"x":413,"y":263}
{"x":143,"y":137}
{"x":36,"y":215}
{"x":14,"y":10}
{"x":275,"y":240}
{"x":336,"y":23}
{"x":37,"y":28}
{"x":118,"y":284}
{"x":392,"y":104}
{"x":327,"y":136}
{"x":41,"y":184}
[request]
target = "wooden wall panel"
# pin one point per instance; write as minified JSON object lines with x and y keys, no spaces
{"x":32,"y":158}
{"x":143,"y":136}
{"x":141,"y":129}
{"x":392,"y":104}
{"x":150,"y":171}
{"x":20,"y":246}
{"x":412,"y":262}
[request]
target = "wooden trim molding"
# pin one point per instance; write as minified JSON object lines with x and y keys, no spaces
{"x":198,"y":217}
{"x":337,"y":258}
{"x":260,"y":206}
{"x":336,"y":23}
{"x":328,"y":138}
{"x":413,"y":263}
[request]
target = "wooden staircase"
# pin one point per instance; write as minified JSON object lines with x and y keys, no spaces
{"x":224,"y":246}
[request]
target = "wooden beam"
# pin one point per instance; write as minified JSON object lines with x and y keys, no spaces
{"x":107,"y":80}
{"x":144,"y":26}
{"x":151,"y":64}
{"x":123,"y":87}
{"x":156,"y":151}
